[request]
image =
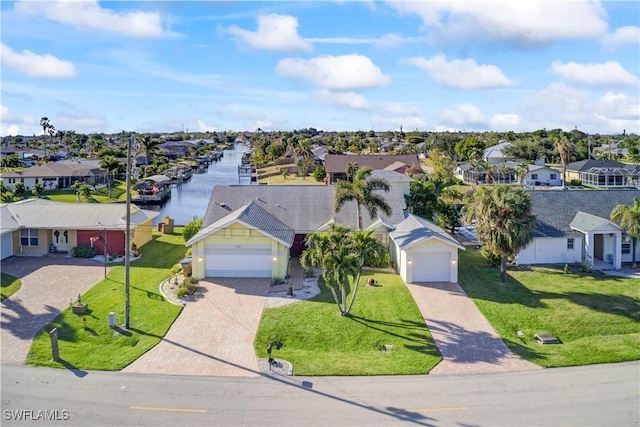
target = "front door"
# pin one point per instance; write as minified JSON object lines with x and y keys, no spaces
{"x":60,"y":239}
{"x":598,"y":246}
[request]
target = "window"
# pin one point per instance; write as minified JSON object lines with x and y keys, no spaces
{"x":570,"y":243}
{"x":553,"y":176}
{"x":534,"y":176}
{"x":29,"y":237}
{"x":626,"y":248}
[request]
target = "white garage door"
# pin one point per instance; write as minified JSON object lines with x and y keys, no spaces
{"x":431,"y":267}
{"x":6,"y":246}
{"x":238,"y":262}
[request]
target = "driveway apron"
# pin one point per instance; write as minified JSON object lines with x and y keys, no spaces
{"x":468,"y":343}
{"x":214,"y":334}
{"x":49,"y":283}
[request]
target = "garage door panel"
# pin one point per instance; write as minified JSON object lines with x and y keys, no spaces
{"x":238,"y":262}
{"x":6,"y":248}
{"x":431,"y":267}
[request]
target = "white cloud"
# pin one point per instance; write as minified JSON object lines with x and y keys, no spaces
{"x":562,"y":106}
{"x":346,"y":72}
{"x":460,"y":73}
{"x":397,"y":122}
{"x":89,"y":14}
{"x":274,"y":32}
{"x":622,"y":35}
{"x":9,"y":130}
{"x":346,"y":99}
{"x":203,"y":127}
{"x":528,"y":22}
{"x":464,"y":116}
{"x":36,"y":66}
{"x":609,"y":73}
{"x":503,"y":122}
{"x":7,"y":117}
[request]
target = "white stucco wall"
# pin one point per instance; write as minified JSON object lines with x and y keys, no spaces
{"x":551,"y":251}
{"x":544,"y":177}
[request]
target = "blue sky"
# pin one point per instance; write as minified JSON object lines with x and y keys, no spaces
{"x":166,"y":66}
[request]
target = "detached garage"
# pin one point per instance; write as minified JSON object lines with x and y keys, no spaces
{"x":423,"y":252}
{"x":238,"y":261}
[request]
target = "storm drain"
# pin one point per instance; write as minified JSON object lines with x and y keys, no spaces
{"x":546,"y":338}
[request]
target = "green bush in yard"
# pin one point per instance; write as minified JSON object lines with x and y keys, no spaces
{"x":83,"y":252}
{"x":187,"y":287}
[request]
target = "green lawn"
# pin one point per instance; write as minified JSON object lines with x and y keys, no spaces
{"x":10,"y":285}
{"x":118,"y":193}
{"x":597,"y":317}
{"x":97,"y":346}
{"x":318,"y":341}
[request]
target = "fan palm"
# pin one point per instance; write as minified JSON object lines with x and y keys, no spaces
{"x":629,"y":219}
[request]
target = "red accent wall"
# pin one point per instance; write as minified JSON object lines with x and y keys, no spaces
{"x":115,"y":241}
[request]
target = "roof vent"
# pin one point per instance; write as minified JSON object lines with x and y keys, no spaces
{"x":223,"y":204}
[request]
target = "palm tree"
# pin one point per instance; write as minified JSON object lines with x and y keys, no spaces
{"x":361,"y":190}
{"x":629,"y":219}
{"x":522,"y":170}
{"x":112,"y":165}
{"x":350,"y":170}
{"x":369,"y":251}
{"x":47,"y":128}
{"x":69,"y":139}
{"x":504,"y":223}
{"x":328,"y":251}
{"x":564,"y":146}
{"x":147,"y":145}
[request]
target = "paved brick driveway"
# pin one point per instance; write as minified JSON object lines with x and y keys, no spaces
{"x":214,"y":334}
{"x":48,"y":284}
{"x":468,"y":343}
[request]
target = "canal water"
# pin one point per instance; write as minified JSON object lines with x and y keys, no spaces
{"x":190,"y":200}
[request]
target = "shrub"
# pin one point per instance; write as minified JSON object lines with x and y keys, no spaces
{"x":309,"y":272}
{"x":83,"y":252}
{"x":277,"y":281}
{"x":319,"y":173}
{"x":191,"y":229}
{"x":187,"y":287}
{"x":492,"y":258}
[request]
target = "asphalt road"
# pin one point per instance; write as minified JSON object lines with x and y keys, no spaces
{"x":600,"y":395}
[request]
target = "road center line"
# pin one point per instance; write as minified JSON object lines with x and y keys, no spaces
{"x":458,"y":408}
{"x":149,"y":408}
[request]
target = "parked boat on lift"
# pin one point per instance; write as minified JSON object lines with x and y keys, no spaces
{"x":152,"y":190}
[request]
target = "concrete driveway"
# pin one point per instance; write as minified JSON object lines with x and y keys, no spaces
{"x":214,"y":334}
{"x":48,"y":284}
{"x":466,"y":339}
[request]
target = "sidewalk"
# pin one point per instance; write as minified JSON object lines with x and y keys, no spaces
{"x":468,"y":343}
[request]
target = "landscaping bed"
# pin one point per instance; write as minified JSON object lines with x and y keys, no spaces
{"x":87,"y":342}
{"x":595,"y":316}
{"x":385,"y":335}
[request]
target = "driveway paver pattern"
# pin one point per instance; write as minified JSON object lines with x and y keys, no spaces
{"x":49,"y":283}
{"x":214,"y":334}
{"x":468,"y":343}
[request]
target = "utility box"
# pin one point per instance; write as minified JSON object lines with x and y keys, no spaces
{"x":112,"y":320}
{"x":165,"y":226}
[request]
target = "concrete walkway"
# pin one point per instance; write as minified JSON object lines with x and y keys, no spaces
{"x":468,"y":343}
{"x":49,"y":283}
{"x":214,"y":334}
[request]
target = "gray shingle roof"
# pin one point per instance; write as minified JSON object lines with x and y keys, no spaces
{"x":555,"y":210}
{"x":337,"y":163}
{"x":415,"y":229}
{"x":587,"y":222}
{"x":391,"y":175}
{"x":585,"y":165}
{"x":302,"y":208}
{"x":55,"y":170}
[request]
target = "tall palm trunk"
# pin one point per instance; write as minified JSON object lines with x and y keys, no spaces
{"x":355,"y":290}
{"x":634,"y":242}
{"x":335,"y":298}
{"x":503,"y":269}
{"x":344,"y":311}
{"x":359,"y":215}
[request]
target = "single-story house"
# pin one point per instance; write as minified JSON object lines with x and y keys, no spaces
{"x":395,"y":179}
{"x":604,"y":173}
{"x":574,"y":226}
{"x":542,"y":175}
{"x":336,"y":164}
{"x":252,"y":231}
{"x":37,"y":226}
{"x":496,"y":154}
{"x":56,"y":176}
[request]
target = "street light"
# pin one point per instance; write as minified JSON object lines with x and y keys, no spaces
{"x":127,"y":304}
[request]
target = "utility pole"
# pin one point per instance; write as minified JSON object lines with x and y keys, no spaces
{"x":127,"y":305}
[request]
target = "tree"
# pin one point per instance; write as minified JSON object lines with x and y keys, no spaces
{"x":148,"y":145}
{"x":69,"y":139}
{"x":563,"y":146}
{"x":37,"y":189}
{"x":369,"y":251}
{"x":443,"y":166}
{"x":522,"y":170}
{"x":470,"y":148}
{"x":351,"y":169}
{"x":81,"y":190}
{"x":191,"y":228}
{"x":19,"y":189}
{"x":361,"y":190}
{"x":629,"y":219}
{"x":47,"y":128}
{"x":319,"y":173}
{"x":111,"y":165}
{"x":504,"y":223}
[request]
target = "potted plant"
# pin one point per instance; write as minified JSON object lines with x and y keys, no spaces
{"x":79,"y":307}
